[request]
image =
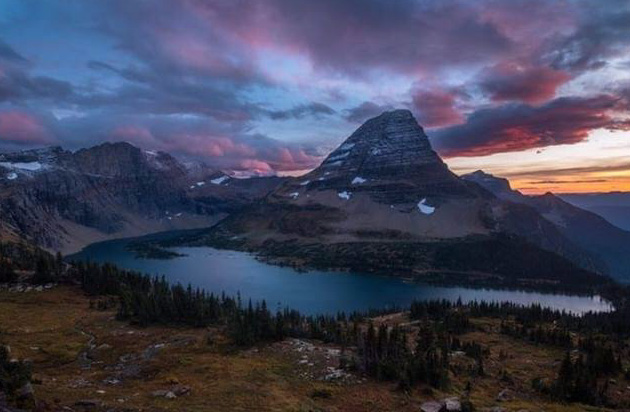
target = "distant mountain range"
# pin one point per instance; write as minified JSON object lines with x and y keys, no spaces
{"x":383,"y":201}
{"x":63,"y":200}
{"x":586,"y":229}
{"x":613,"y":206}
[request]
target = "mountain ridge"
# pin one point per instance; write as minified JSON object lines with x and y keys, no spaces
{"x":63,"y":200}
{"x":589,"y":230}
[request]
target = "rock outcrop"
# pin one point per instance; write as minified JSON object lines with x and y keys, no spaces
{"x":390,"y":159}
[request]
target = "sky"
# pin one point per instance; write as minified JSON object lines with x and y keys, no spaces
{"x":535,"y":91}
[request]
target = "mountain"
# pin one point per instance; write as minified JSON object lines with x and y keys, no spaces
{"x":613,"y":206}
{"x":385,"y":201}
{"x":586,"y":229}
{"x":64,"y":200}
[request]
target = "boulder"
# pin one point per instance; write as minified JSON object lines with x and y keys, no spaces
{"x":452,"y":404}
{"x":181,"y":390}
{"x":433,"y":406}
{"x":163,"y":394}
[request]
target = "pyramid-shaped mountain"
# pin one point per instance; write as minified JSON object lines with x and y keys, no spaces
{"x":390,"y":158}
{"x":385,"y":201}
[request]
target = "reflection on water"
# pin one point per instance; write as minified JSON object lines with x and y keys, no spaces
{"x":311,"y":292}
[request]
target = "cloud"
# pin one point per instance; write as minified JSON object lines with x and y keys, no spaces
{"x":436,"y":107}
{"x":514,"y":127}
{"x":317,"y":110}
{"x":8,"y":54}
{"x":358,"y":36}
{"x":18,"y":85}
{"x":364,"y":111}
{"x":618,"y":165}
{"x":21,"y":128}
{"x":512,"y":81}
{"x":230,"y":151}
{"x":545,"y":182}
{"x":602,"y":32}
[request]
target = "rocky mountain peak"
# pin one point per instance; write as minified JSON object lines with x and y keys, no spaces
{"x":494,"y":184}
{"x":124,"y":159}
{"x":389,"y":157}
{"x":392,"y":142}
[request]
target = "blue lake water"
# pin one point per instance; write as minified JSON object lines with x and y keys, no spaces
{"x":311,"y":292}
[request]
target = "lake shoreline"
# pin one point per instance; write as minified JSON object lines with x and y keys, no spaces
{"x":219,"y":270}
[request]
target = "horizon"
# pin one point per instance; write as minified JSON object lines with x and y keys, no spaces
{"x":273,"y":87}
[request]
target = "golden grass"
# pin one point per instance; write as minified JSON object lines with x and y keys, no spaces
{"x":54,"y":327}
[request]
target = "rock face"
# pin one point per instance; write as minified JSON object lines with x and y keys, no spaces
{"x":390,"y":158}
{"x":497,"y":185}
{"x":63,"y":200}
{"x":383,"y":191}
{"x":606,"y":242}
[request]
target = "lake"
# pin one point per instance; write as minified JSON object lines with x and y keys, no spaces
{"x":310,"y":292}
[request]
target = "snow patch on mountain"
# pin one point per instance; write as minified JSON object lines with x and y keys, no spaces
{"x":345,"y":195}
{"x":424,"y":208}
{"x":219,"y":180}
{"x":30,"y":166}
{"x":358,"y":180}
{"x":339,"y":156}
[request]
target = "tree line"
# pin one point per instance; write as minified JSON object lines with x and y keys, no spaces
{"x":593,"y":340}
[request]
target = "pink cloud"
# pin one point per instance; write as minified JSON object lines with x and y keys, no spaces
{"x":510,"y":127}
{"x":135,"y":134}
{"x":436,"y":108}
{"x":241,"y":153}
{"x":23,"y":129}
{"x":255,"y":166}
{"x":514,"y":81}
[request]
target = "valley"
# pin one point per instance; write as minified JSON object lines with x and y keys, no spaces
{"x":314,"y":206}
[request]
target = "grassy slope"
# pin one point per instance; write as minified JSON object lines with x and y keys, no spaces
{"x":54,"y":329}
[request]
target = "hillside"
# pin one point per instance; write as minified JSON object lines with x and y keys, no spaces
{"x":64,"y":200}
{"x":586,"y":229}
{"x":613,"y":206}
